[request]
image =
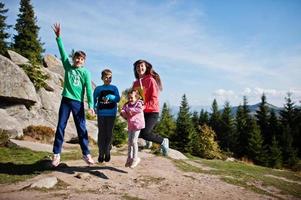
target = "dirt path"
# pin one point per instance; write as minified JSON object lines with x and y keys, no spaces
{"x":155,"y":178}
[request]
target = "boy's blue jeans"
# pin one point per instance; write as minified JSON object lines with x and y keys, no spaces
{"x":78,"y":112}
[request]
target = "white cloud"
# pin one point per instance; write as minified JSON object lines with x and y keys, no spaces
{"x":275,"y":96}
{"x":222,"y":95}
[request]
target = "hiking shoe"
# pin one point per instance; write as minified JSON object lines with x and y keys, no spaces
{"x":128,"y":162}
{"x":135,"y":163}
{"x":56,"y":160}
{"x":165,"y":146}
{"x":107,"y":157}
{"x":148,"y":144}
{"x":88,"y":159}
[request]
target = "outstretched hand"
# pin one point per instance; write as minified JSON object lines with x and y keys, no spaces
{"x":57,"y":29}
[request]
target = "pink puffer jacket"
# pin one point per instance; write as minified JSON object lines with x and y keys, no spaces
{"x":133,"y":113}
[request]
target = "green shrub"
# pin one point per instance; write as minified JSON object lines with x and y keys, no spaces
{"x":207,"y":147}
{"x":119,"y":132}
{"x":36,"y":75}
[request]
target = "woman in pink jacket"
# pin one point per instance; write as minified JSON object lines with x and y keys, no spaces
{"x":148,"y":83}
{"x":132,"y":111}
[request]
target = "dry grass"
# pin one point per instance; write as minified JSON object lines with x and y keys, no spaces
{"x":42,"y":134}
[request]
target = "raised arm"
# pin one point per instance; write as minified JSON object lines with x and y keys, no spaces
{"x":57,"y":30}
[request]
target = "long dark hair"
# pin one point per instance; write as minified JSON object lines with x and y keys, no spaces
{"x":149,"y":70}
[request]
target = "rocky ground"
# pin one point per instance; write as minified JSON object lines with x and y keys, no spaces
{"x":156,"y":177}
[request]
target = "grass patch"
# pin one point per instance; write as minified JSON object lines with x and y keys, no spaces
{"x":18,"y":164}
{"x":184,"y":166}
{"x":249,"y":176}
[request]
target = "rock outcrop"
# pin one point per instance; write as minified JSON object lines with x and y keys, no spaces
{"x":17,"y":58}
{"x":15,"y":86}
{"x":21,"y":105}
{"x":53,"y":64}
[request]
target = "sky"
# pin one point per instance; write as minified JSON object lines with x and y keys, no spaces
{"x":205,"y":49}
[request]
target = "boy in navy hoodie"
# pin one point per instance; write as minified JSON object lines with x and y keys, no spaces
{"x":106,"y":97}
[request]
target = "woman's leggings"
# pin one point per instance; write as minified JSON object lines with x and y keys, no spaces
{"x":147,"y":133}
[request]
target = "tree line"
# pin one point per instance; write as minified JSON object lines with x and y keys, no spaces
{"x":265,"y":138}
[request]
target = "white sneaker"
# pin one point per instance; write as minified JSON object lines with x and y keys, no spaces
{"x":88,"y":159}
{"x":56,"y":160}
{"x":135,"y":163}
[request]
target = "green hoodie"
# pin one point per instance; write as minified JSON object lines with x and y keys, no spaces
{"x":76,"y":79}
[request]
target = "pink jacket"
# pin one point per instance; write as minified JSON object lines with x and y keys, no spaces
{"x":133,"y":113}
{"x":150,"y":93}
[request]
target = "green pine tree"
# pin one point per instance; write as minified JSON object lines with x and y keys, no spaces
{"x":289,"y":153}
{"x":289,"y":123}
{"x":166,"y":125}
{"x":203,"y":118}
{"x":275,"y":155}
{"x":241,"y":135}
{"x":255,"y":142}
{"x":184,"y":128}
{"x":227,"y":139}
{"x":263,"y":116}
{"x":274,"y":126}
{"x":215,"y":120}
{"x":195,"y":119}
{"x":26,"y":41}
{"x":3,"y":27}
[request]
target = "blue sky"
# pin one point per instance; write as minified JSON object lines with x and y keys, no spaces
{"x":205,"y":49}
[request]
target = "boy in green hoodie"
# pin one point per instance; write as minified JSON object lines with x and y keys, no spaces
{"x":77,"y":79}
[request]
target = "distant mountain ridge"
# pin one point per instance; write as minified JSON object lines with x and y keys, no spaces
{"x":253,"y":108}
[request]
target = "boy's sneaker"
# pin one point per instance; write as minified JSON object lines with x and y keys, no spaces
{"x":88,"y":159}
{"x":135,"y":162}
{"x":165,"y":146}
{"x":56,"y":160}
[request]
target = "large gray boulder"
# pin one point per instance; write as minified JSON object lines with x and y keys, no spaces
{"x":17,"y":58}
{"x":10,"y":125}
{"x":53,"y":64}
{"x":15,"y":86}
{"x":50,"y":99}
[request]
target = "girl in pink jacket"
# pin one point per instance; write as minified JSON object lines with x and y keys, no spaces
{"x":132,"y":111}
